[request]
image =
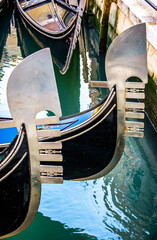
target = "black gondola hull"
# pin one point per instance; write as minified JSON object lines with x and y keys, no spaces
{"x":89,"y":148}
{"x":15,"y":187}
{"x":59,"y":48}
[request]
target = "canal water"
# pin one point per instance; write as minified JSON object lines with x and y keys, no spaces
{"x":119,"y":206}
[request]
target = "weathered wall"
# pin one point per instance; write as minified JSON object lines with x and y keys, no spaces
{"x":125,"y":14}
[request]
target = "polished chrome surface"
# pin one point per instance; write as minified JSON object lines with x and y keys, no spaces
{"x":32,"y":83}
{"x":127,"y":55}
{"x":134,"y":105}
{"x":32,"y":88}
{"x":51,"y":174}
{"x":125,"y":58}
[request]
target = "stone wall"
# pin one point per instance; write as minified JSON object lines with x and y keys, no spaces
{"x":125,"y":14}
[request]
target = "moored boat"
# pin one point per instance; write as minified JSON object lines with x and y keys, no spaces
{"x":19,"y":196}
{"x":54,"y":20}
{"x":84,"y":146}
{"x":26,"y":35}
{"x":76,"y":129}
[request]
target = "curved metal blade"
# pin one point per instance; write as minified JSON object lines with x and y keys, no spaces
{"x":127,"y":55}
{"x":32,"y":88}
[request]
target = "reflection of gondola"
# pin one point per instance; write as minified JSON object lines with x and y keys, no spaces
{"x":15,"y":187}
{"x":83,"y":146}
{"x":54,"y":20}
{"x":4,"y":29}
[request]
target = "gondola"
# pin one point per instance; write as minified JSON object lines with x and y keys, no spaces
{"x":83,"y":146}
{"x":59,"y":20}
{"x":30,"y":40}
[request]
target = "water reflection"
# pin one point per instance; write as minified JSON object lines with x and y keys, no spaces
{"x":4,"y":30}
{"x":52,"y":230}
{"x":130,"y":191}
{"x":75,"y":93}
{"x":10,"y":57}
{"x":122,"y":205}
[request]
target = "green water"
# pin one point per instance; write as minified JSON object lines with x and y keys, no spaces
{"x":119,"y":206}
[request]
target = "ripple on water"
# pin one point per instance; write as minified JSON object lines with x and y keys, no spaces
{"x":119,"y":206}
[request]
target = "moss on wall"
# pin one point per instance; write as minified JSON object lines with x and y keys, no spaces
{"x":97,"y":8}
{"x":151,"y":101}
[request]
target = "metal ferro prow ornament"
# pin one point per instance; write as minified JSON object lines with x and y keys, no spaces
{"x":32,"y":88}
{"x":127,"y":57}
{"x":38,"y":90}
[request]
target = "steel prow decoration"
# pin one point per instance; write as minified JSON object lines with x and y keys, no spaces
{"x":86,"y":145}
{"x":28,"y":93}
{"x":127,"y":57}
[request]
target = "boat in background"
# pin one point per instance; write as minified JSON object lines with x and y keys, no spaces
{"x":83,"y":146}
{"x":30,"y":40}
{"x":55,"y":20}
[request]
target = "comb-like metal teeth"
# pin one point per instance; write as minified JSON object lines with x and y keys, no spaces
{"x":134,"y":110}
{"x":51,"y":174}
{"x":134,"y":134}
{"x":135,"y":95}
{"x":134,"y":105}
{"x":48,"y":133}
{"x":134,"y":115}
{"x":134,"y":124}
{"x":135,"y":85}
{"x":50,"y":145}
{"x":50,"y":157}
{"x":49,"y":152}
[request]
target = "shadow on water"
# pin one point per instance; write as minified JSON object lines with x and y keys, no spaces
{"x":45,"y":228}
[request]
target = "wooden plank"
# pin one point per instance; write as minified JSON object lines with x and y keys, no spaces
{"x":134,"y":115}
{"x":50,"y":157}
{"x":7,"y":124}
{"x":4,"y":145}
{"x":28,"y":4}
{"x":38,"y":121}
{"x":50,"y":145}
{"x":100,"y":84}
